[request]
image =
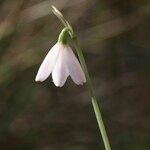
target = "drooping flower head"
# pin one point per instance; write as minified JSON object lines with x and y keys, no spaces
{"x":61,"y":62}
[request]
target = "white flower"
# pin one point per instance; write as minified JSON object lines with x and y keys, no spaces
{"x":61,"y":62}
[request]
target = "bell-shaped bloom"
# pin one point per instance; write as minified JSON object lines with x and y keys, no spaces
{"x":61,"y":62}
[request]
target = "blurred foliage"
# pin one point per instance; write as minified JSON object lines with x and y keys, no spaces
{"x":115,"y":37}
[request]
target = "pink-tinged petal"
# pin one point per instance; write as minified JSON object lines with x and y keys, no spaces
{"x":60,"y":71}
{"x":48,"y":63}
{"x":74,"y":68}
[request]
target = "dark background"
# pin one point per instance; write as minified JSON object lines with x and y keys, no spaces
{"x":114,"y":36}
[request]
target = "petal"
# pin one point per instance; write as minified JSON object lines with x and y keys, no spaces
{"x":74,"y":67}
{"x":60,"y":71}
{"x":48,"y":63}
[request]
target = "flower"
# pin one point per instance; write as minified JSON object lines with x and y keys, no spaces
{"x":61,"y":62}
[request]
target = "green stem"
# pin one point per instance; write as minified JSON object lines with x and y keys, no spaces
{"x":89,"y":83}
{"x":93,"y":97}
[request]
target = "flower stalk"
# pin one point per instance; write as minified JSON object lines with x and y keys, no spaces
{"x":63,"y":36}
{"x":93,"y":97}
{"x":88,"y":79}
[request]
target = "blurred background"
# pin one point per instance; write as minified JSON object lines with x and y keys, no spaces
{"x":115,"y":38}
